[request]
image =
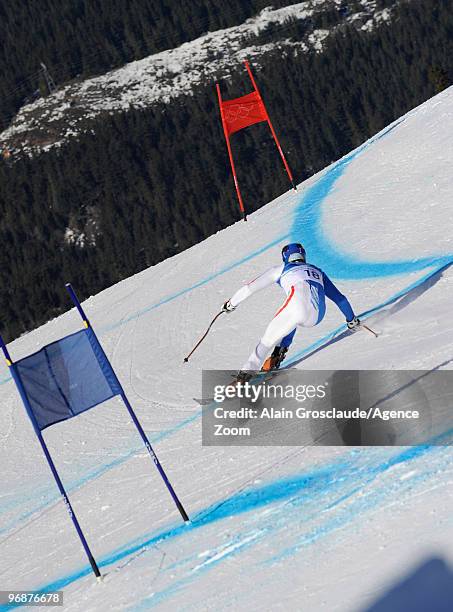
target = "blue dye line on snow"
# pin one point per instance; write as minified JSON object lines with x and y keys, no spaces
{"x":295,"y":358}
{"x":94,"y":473}
{"x":178,"y":294}
{"x":363,"y":315}
{"x":197,"y":285}
{"x":303,"y":502}
{"x":101,"y":470}
{"x":247,"y":501}
{"x":307,"y":228}
{"x":307,"y":222}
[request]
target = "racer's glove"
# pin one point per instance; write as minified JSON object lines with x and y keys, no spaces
{"x":228,"y":307}
{"x":355,"y":322}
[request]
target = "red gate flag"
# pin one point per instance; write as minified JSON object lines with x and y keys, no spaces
{"x":242,"y":112}
{"x":239,"y":113}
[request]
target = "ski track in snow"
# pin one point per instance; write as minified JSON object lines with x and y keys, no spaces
{"x":308,"y":217}
{"x":335,"y":263}
{"x":279,"y":502}
{"x":336,"y":483}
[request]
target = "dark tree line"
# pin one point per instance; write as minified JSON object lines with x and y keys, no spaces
{"x":87,"y":37}
{"x":149,"y":184}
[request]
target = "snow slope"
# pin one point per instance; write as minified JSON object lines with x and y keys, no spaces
{"x":293,"y":528}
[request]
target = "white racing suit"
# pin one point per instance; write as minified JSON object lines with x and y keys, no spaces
{"x":306,"y":287}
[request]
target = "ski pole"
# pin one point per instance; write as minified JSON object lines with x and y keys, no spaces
{"x":186,"y":359}
{"x":368,"y":329}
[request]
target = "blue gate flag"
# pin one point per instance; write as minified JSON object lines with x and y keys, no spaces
{"x":63,"y":379}
{"x":67,"y":377}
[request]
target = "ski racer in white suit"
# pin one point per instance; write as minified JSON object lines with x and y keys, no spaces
{"x":306,"y":287}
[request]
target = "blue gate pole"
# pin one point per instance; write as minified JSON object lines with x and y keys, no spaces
{"x":23,"y":395}
{"x":132,"y":414}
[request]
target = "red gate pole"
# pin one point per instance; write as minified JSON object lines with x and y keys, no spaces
{"x":236,"y":184}
{"x":282,"y":155}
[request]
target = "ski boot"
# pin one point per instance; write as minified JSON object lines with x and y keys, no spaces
{"x":274,"y":361}
{"x":242,"y":377}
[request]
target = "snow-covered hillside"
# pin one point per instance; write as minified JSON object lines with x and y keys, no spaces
{"x":164,"y":76}
{"x":292,"y":528}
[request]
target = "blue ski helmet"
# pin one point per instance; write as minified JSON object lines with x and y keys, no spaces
{"x":293,"y":252}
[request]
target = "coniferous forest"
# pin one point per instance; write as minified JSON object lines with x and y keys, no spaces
{"x":150,"y":183}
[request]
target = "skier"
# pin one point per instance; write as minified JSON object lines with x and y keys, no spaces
{"x":305,"y":286}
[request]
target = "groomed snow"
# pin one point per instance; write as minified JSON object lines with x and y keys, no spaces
{"x":272,"y":528}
